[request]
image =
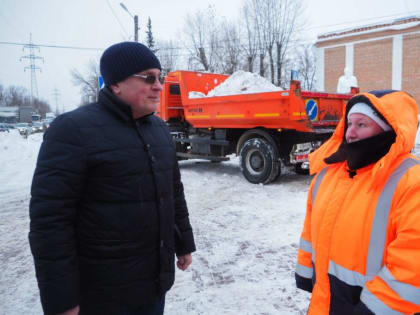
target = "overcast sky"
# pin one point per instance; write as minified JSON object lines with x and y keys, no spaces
{"x":97,"y":24}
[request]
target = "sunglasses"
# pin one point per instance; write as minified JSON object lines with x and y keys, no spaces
{"x":150,"y":78}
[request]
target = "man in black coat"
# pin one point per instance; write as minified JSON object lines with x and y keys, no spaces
{"x":108,"y":211}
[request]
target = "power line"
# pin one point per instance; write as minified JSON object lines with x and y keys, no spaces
{"x":75,"y":47}
{"x":53,"y":46}
{"x":118,"y":20}
{"x":180,"y":48}
{"x":93,"y":48}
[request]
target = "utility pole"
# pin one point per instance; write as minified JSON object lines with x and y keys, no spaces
{"x":136,"y":22}
{"x":136,"y":28}
{"x":56,"y":94}
{"x":32,"y":66}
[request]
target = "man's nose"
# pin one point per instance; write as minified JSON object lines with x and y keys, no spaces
{"x":157,"y":85}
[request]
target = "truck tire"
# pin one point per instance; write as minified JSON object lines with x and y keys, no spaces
{"x":182,"y":148}
{"x":259,"y":162}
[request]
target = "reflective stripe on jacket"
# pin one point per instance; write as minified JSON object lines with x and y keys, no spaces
{"x":359,"y":251}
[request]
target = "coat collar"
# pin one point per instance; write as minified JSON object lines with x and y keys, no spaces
{"x":115,"y":105}
{"x":118,"y":107}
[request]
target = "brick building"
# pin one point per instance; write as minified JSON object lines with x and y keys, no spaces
{"x":382,"y":56}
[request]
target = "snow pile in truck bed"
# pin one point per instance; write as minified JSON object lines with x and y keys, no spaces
{"x":195,"y":94}
{"x":240,"y":82}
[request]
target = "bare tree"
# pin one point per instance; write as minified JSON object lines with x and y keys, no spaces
{"x":257,"y":12}
{"x":250,"y":46}
{"x":41,"y":106}
{"x":18,"y":96}
{"x":88,"y":83}
{"x":306,"y":66}
{"x":202,"y":43}
{"x":289,"y":25}
{"x":229,"y":53}
{"x":275,"y":23}
{"x":2,"y":96}
{"x":269,"y":27}
{"x":168,"y":55}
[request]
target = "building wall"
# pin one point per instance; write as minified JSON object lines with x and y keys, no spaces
{"x":384,"y":60}
{"x":335,"y":61}
{"x":411,"y":65}
{"x":319,"y":68}
{"x":373,"y":64}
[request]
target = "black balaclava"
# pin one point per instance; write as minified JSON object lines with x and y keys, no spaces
{"x":361,"y":153}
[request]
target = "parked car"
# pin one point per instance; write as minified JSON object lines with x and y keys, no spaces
{"x":4,"y":128}
{"x":22,"y":127}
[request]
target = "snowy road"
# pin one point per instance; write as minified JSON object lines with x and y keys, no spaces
{"x":247,"y":241}
{"x":246,"y":237}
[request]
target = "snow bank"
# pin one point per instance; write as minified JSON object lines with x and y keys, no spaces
{"x":18,"y":287}
{"x":240,"y":82}
{"x":17,"y":160}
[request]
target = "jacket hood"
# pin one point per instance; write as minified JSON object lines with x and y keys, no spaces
{"x":399,"y":110}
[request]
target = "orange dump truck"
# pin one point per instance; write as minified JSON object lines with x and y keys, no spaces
{"x":265,"y":129}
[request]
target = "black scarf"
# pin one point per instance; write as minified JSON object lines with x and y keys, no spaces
{"x":363,"y":152}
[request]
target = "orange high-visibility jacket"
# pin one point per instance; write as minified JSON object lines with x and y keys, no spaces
{"x":359,"y":250}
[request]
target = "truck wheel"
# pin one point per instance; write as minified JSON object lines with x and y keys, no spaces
{"x":259,"y":162}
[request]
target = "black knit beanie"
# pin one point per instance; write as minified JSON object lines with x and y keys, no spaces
{"x":121,"y":60}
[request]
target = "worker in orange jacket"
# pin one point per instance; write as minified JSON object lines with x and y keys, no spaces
{"x":359,"y":251}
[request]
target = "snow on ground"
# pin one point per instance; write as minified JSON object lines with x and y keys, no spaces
{"x":18,"y":288}
{"x":246,"y":235}
{"x":240,"y":82}
{"x":246,"y":238}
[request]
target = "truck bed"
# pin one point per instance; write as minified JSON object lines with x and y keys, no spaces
{"x":291,"y":109}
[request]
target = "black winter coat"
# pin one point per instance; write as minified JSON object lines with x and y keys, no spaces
{"x":107,"y":210}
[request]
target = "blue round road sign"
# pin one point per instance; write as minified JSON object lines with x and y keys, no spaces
{"x":101,"y":83}
{"x":311,"y":108}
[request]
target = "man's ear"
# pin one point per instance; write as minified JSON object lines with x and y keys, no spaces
{"x":115,"y":88}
